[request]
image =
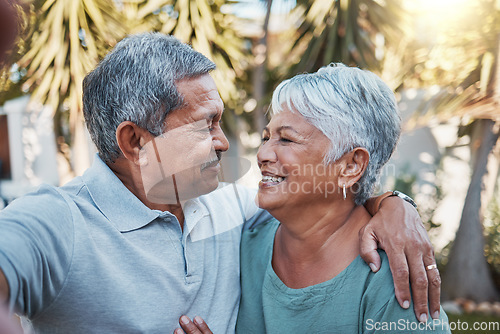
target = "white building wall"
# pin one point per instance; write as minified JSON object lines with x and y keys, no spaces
{"x":32,"y":148}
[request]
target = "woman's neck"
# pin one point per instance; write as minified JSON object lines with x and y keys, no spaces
{"x":315,"y":247}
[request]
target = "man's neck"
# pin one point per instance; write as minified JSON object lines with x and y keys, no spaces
{"x":129,"y":174}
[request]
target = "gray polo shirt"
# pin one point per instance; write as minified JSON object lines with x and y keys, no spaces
{"x":89,"y":257}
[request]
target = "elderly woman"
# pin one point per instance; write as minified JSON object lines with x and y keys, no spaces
{"x":330,"y":134}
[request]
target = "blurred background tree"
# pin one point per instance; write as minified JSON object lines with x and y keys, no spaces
{"x":355,"y":32}
{"x":61,"y":42}
{"x":64,"y":39}
{"x":474,"y":98}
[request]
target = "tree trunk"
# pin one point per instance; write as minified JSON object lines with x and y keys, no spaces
{"x":259,"y":73}
{"x":467,"y":273}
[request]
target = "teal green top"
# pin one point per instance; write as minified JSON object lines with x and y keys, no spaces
{"x":355,"y":301}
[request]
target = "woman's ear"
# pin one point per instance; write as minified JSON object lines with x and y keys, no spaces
{"x":131,"y":138}
{"x":354,"y":164}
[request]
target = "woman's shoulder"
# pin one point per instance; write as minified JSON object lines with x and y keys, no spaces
{"x":257,"y":244}
{"x":382,"y":312}
{"x":383,"y":277}
{"x":377,"y":288}
{"x":379,"y":293}
{"x":263,"y":231}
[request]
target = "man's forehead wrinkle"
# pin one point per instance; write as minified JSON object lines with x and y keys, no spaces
{"x":209,"y":98}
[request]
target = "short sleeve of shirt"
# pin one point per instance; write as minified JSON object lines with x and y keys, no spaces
{"x":243,"y":200}
{"x":246,"y":197}
{"x":36,"y":243}
{"x":252,"y":213}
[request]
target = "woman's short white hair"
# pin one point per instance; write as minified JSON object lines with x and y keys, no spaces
{"x":353,"y":108}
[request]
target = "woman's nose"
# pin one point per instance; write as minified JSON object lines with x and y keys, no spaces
{"x":266,"y":153}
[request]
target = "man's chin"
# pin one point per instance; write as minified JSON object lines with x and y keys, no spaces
{"x":207,"y":185}
{"x":168,"y":193}
{"x":202,"y":187}
{"x":162,"y":194}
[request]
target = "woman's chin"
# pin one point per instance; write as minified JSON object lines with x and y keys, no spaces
{"x":267,"y":201}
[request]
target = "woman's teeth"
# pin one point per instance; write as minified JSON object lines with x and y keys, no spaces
{"x":276,"y":179}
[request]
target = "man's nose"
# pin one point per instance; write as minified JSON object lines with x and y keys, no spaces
{"x":220,"y":141}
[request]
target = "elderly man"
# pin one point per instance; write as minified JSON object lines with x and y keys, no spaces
{"x":142,"y":237}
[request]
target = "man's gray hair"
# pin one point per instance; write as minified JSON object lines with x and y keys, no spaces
{"x":353,"y":108}
{"x":136,"y":82}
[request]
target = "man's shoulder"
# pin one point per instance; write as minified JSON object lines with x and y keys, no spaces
{"x":47,"y":199}
{"x":45,"y":195}
{"x":43,"y":212}
{"x":73,"y":187}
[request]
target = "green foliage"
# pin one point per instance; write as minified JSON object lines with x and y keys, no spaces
{"x":492,"y":238}
{"x":460,"y":34}
{"x":61,"y":42}
{"x":492,"y":242}
{"x":204,"y":25}
{"x":355,"y":32}
{"x":465,"y":326}
{"x":64,"y":39}
{"x":462,"y":59}
{"x":407,"y":183}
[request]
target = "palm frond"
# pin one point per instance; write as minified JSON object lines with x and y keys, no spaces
{"x":65,"y":42}
{"x":343,"y":31}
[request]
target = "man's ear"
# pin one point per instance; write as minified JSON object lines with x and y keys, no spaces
{"x":131,"y":138}
{"x":354,"y":164}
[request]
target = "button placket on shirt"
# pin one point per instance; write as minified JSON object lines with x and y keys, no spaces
{"x":175,"y":235}
{"x":193,"y":215}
